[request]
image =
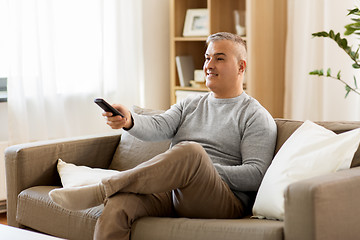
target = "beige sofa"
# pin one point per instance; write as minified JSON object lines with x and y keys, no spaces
{"x":325,"y":207}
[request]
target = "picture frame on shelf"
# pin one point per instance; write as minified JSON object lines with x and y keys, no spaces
{"x":196,"y":23}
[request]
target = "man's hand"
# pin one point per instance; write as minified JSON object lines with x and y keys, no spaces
{"x":117,"y":122}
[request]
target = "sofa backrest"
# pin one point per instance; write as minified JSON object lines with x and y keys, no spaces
{"x":286,"y":127}
{"x":132,"y":151}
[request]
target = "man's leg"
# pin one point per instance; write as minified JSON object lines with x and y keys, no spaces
{"x":122,"y":209}
{"x":187,"y":171}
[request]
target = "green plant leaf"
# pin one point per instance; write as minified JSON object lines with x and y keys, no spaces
{"x":354,"y":55}
{"x":356,"y":66}
{"x":347,"y":89}
{"x":344,"y":44}
{"x":349,"y":30}
{"x":355,"y":83}
{"x":355,"y":25}
{"x":357,"y":53}
{"x":338,"y":75}
{"x":353,"y":11}
{"x":328,"y":74}
{"x":317,"y":72}
{"x":355,"y":19}
{"x":337,"y":38}
{"x":320,"y":34}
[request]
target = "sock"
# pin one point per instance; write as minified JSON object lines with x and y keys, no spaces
{"x":79,"y":198}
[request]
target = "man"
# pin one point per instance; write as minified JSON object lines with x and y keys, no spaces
{"x":222,"y":144}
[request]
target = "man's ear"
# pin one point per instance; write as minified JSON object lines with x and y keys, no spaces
{"x":242,"y":66}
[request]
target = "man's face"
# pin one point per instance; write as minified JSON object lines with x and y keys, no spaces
{"x":223,"y":69}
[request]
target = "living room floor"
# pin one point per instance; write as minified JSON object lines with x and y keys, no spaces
{"x":3,"y":219}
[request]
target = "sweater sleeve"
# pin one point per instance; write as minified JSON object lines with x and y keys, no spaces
{"x":156,"y":127}
{"x":257,"y":149}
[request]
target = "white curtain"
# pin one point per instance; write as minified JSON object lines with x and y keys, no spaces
{"x":311,"y":97}
{"x":64,"y":53}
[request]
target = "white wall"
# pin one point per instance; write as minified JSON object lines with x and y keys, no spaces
{"x":3,"y":122}
{"x":3,"y":145}
{"x":156,"y":53}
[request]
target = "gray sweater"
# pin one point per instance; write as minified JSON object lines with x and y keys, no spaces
{"x":238,"y":134}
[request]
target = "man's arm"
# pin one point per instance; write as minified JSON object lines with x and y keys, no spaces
{"x":145,"y":127}
{"x":157,"y":127}
{"x":257,"y":150}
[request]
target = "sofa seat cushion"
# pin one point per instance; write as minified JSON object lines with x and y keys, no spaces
{"x":37,"y":211}
{"x":152,"y":228}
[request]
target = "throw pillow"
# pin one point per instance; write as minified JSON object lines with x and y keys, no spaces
{"x":132,"y":151}
{"x":310,"y":151}
{"x":72,"y":175}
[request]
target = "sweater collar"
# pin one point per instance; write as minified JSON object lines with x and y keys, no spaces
{"x":239,"y":98}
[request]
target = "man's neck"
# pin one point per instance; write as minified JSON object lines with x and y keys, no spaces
{"x":228,"y":95}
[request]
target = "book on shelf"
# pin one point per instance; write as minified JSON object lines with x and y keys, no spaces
{"x":185,"y":69}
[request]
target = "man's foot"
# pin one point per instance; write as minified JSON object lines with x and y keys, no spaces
{"x":79,"y":198}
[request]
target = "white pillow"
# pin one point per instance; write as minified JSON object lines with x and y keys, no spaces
{"x":310,"y":151}
{"x":76,"y":176}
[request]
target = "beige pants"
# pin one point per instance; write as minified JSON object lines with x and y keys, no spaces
{"x":180,"y":182}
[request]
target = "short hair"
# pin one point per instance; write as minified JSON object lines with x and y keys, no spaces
{"x":232,"y":37}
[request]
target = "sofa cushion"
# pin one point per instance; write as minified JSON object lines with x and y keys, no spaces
{"x":132,"y":151}
{"x":285,"y":127}
{"x":208,"y":229}
{"x":36,"y":210}
{"x":310,"y":151}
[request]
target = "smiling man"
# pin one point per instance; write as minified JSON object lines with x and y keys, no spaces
{"x":225,"y":63}
{"x":222,"y":144}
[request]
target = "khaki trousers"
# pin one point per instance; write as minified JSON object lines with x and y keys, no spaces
{"x":180,"y":182}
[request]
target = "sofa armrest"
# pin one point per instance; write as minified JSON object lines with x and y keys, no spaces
{"x":325,"y":207}
{"x":33,"y":164}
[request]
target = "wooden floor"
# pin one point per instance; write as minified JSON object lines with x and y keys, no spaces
{"x":3,"y":218}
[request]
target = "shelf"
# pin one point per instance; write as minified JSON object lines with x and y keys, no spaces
{"x":190,"y":39}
